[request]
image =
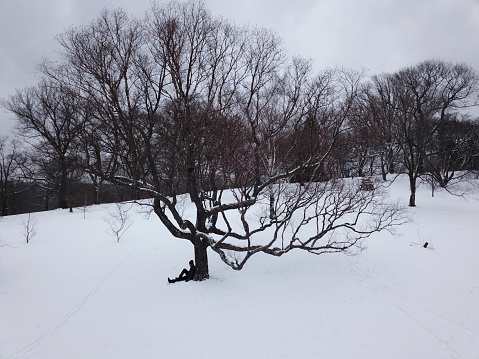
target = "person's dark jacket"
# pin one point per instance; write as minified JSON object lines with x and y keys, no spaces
{"x":191,"y":273}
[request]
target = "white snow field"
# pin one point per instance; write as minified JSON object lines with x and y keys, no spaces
{"x":73,"y":292}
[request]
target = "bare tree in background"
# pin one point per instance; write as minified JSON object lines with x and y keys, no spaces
{"x":50,"y":120}
{"x":423,"y":97}
{"x":29,"y":230}
{"x":453,"y":150}
{"x":119,"y":220}
{"x":375,"y":129}
{"x":9,"y":168}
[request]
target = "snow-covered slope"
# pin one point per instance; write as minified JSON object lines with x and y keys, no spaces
{"x":74,"y":292}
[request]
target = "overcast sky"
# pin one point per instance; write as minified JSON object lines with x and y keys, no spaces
{"x":378,"y":35}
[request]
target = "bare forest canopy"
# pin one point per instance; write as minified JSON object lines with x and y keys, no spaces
{"x":181,"y":104}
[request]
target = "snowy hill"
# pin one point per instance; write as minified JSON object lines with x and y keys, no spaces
{"x":74,"y":292}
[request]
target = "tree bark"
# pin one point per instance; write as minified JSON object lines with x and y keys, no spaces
{"x":63,"y":201}
{"x":201,"y":260}
{"x":412,"y":186}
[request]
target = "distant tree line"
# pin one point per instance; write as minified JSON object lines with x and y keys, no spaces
{"x":28,"y":183}
{"x":181,"y":102}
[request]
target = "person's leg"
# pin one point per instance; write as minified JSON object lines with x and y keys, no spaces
{"x":183,"y":274}
{"x":182,"y":277}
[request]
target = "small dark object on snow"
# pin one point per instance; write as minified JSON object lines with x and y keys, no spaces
{"x":185,"y":275}
{"x":366,"y":185}
{"x":425,"y":245}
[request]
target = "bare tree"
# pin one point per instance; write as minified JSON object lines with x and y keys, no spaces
{"x":453,"y":150}
{"x":187,"y":106}
{"x":422,"y":97}
{"x":374,"y":128}
{"x":9,"y":167}
{"x":49,"y":120}
{"x":29,"y":230}
{"x":119,"y":221}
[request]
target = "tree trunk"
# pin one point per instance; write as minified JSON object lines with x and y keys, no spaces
{"x":272,"y":211}
{"x":96,"y":189}
{"x":412,"y":186}
{"x":63,"y":187}
{"x":383,"y":168}
{"x":201,"y":260}
{"x":390,"y":160}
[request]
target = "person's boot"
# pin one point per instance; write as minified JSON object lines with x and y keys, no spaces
{"x":171,"y":280}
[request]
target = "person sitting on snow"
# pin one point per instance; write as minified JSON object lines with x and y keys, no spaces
{"x":185,"y":274}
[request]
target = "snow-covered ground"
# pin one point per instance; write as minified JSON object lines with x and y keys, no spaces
{"x":74,"y":292}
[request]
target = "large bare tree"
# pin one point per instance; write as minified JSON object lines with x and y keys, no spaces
{"x":183,"y":106}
